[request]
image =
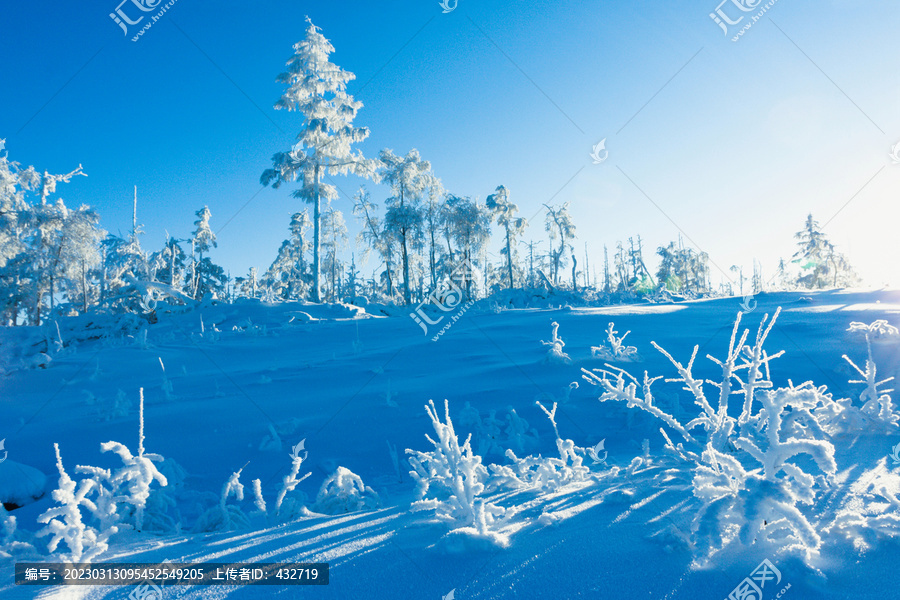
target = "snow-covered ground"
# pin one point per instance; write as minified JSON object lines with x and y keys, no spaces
{"x":243,"y":384}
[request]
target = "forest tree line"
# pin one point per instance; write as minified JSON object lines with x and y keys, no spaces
{"x":56,"y":260}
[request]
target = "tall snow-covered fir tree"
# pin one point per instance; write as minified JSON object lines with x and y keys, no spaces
{"x":408,"y":178}
{"x":513,"y":226}
{"x":207,"y":277}
{"x":821,"y":265}
{"x":317,"y":89}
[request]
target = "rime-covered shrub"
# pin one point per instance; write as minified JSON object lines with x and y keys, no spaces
{"x":343,"y":492}
{"x":113,"y":498}
{"x":871,"y":510}
{"x":225,"y":516}
{"x":124,"y":491}
{"x":547,"y":474}
{"x":290,"y":503}
{"x":555,"y":345}
{"x":751,"y":474}
{"x":64,"y":523}
{"x":877,"y":406}
{"x":450,"y":481}
{"x":615,"y":350}
{"x":13,"y":543}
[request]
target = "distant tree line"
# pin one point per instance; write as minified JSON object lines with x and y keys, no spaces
{"x":56,"y":260}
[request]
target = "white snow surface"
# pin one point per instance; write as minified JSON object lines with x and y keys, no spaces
{"x":266,"y":374}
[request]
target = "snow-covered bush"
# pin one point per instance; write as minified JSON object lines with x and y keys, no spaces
{"x":493,"y":435}
{"x":64,"y":523}
{"x":450,"y":480}
{"x":747,"y":473}
{"x":763,"y":505}
{"x":555,"y":346}
{"x":14,"y":544}
{"x":224,"y":516}
{"x":129,"y":485}
{"x":615,"y":350}
{"x":343,"y":492}
{"x":877,"y":403}
{"x":289,"y":504}
{"x":114,"y":499}
{"x":871,"y":509}
{"x":545,"y":474}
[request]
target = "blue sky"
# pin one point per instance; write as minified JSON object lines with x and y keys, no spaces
{"x":729,"y":143}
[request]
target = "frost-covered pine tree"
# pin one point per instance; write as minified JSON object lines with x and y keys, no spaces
{"x":79,"y":255}
{"x":39,"y":243}
{"x":505,"y":212}
{"x":207,"y":277}
{"x":317,"y":89}
{"x":287,"y":277}
{"x":408,"y":177}
{"x":820,"y":263}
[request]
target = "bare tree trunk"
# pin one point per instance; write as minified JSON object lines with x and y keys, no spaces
{"x":406,"y":295}
{"x":509,"y":260}
{"x":84,"y":288}
{"x":316,"y":208}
